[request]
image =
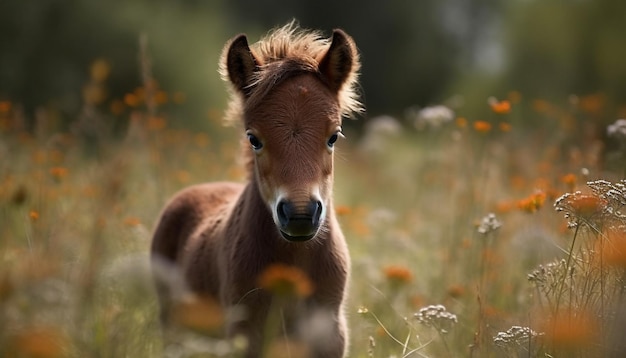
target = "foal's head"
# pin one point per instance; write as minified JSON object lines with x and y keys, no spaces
{"x":291,"y":90}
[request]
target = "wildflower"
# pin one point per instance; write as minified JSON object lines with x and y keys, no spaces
{"x":515,"y":336}
{"x":43,"y":342}
{"x":58,"y":173}
{"x":456,"y":291}
{"x":398,"y":274}
{"x":613,"y":251}
{"x":571,"y":330}
{"x":286,"y":280}
{"x":532,"y":203}
{"x":541,"y":106}
{"x":551,"y":276}
{"x":5,"y":107}
{"x":161,"y":98}
{"x":132,"y":221}
{"x":482,"y":126}
{"x":183,"y":176}
{"x":131,"y":100}
{"x":569,"y":180}
{"x":100,"y":70}
{"x":592,"y":104}
{"x":514,"y":97}
{"x":580,"y":208}
{"x":461,"y":122}
{"x":436,"y":316}
{"x":505,"y":127}
{"x":156,"y":123}
{"x":499,"y":107}
{"x":370,"y":346}
{"x":34,"y":215}
{"x":117,"y":107}
{"x":198,"y":313}
{"x":433,"y":117}
{"x":342,"y":210}
{"x":617,"y":130}
{"x":489,"y":224}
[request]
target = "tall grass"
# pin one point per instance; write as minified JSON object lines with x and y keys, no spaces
{"x":456,"y":247}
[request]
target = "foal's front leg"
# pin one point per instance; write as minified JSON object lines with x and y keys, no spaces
{"x":324,"y":331}
{"x":250,"y":324}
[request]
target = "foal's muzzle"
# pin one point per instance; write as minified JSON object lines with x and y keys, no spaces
{"x":299,"y":223}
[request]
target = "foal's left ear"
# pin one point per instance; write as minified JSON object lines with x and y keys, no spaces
{"x":240,"y":64}
{"x":341,"y":60}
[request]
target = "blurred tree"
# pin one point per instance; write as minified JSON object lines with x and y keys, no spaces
{"x":409,"y":55}
{"x":557,"y":48}
{"x":46,"y":48}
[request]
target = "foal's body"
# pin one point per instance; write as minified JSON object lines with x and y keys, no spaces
{"x":209,"y":255}
{"x":223,"y":236}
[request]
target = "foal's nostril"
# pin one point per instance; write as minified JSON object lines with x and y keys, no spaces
{"x":315,"y":208}
{"x":284,"y":210}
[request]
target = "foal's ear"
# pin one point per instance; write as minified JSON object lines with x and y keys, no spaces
{"x":240,"y":64}
{"x":340,"y":62}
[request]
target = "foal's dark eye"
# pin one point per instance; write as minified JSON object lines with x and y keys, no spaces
{"x":254,"y":142}
{"x":333,"y":138}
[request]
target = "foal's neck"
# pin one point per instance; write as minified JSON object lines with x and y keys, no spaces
{"x":261,"y":227}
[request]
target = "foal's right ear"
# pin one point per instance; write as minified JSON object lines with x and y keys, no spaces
{"x":240,"y":64}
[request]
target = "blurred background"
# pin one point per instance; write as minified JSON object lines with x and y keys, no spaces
{"x":414,"y":53}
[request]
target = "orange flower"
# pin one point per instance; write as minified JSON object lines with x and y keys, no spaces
{"x":342,"y":210}
{"x":34,"y":215}
{"x":132,"y":221}
{"x":199,"y":313}
{"x":156,"y":123}
{"x":131,"y":100}
{"x":285,"y":280}
{"x":500,"y":107}
{"x":541,"y":106}
{"x":5,"y":107}
{"x":100,"y":70}
{"x":117,"y":107}
{"x":504,"y":206}
{"x":571,"y":330}
{"x":586,"y":206}
{"x":461,"y":122}
{"x":505,"y":127}
{"x":592,"y":104}
{"x":398,"y":274}
{"x":482,"y":126}
{"x":42,"y":342}
{"x":514,"y":97}
{"x":614,"y":249}
{"x":161,"y":97}
{"x":532,"y":203}
{"x":58,"y":173}
{"x":569,"y":180}
{"x":456,"y":291}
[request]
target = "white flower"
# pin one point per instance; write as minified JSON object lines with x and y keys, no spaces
{"x":488,"y":224}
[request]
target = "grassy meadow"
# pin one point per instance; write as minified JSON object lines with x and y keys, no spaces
{"x":498,"y":236}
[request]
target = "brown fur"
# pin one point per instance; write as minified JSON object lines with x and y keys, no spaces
{"x":290,"y":92}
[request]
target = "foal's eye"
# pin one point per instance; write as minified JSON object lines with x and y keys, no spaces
{"x":254,"y":142}
{"x":332,"y":139}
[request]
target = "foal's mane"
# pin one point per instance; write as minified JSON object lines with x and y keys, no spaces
{"x":283,"y":52}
